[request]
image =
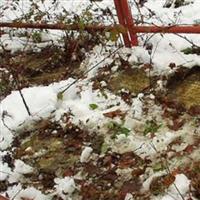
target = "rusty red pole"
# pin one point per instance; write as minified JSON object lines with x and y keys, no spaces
{"x":137,"y":29}
{"x":167,"y":29}
{"x":129,"y":21}
{"x":125,"y":19}
{"x":122,"y":21}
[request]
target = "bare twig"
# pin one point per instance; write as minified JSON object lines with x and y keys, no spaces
{"x":166,"y":165}
{"x":93,"y":67}
{"x":24,"y":101}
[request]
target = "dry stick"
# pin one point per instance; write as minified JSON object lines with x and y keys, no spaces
{"x":93,"y":67}
{"x":185,"y":38}
{"x":24,"y":101}
{"x":16,"y":194}
{"x":3,"y":198}
{"x":139,"y":11}
{"x":20,"y":92}
{"x":4,"y":123}
{"x":167,"y":169}
{"x":18,"y":84}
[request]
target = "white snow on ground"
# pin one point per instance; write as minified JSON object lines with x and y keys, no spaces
{"x":129,"y":196}
{"x":42,"y":100}
{"x":86,"y":154}
{"x":20,"y":168}
{"x":65,"y":187}
{"x":30,"y":193}
{"x":177,"y":190}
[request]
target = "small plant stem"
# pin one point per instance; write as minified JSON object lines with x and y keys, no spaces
{"x":93,"y":67}
{"x":24,"y":101}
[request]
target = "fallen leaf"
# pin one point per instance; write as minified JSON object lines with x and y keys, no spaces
{"x":168,"y":180}
{"x":3,"y":198}
{"x":194,"y":110}
{"x":132,"y":186}
{"x":189,"y":149}
{"x":116,"y":113}
{"x":177,"y":124}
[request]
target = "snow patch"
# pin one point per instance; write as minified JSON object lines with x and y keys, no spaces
{"x":86,"y":154}
{"x":65,"y":187}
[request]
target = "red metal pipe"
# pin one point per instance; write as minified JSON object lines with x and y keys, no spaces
{"x":122,"y":21}
{"x":136,"y":29}
{"x":167,"y":29}
{"x":129,"y":21}
{"x":3,"y":198}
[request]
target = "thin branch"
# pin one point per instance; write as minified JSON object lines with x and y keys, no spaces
{"x":185,"y":38}
{"x":93,"y":67}
{"x":24,"y":101}
{"x":167,"y":169}
{"x":15,"y":77}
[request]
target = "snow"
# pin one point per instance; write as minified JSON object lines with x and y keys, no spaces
{"x":5,"y":171}
{"x":137,"y":106}
{"x":129,"y":196}
{"x":42,"y":100}
{"x":16,"y":192}
{"x":178,"y":189}
{"x":20,"y":168}
{"x":31,"y":193}
{"x":65,"y":187}
{"x":166,"y":48}
{"x":86,"y":154}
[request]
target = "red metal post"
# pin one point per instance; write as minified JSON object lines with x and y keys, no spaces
{"x":121,"y":19}
{"x":129,"y":21}
{"x":126,"y":20}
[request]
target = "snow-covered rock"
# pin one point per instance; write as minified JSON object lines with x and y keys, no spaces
{"x":86,"y":154}
{"x":64,"y":187}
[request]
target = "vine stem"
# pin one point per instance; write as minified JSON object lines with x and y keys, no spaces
{"x":93,"y":67}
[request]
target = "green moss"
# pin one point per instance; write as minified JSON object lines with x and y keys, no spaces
{"x":151,"y":126}
{"x":53,"y":156}
{"x":188,"y":92}
{"x":133,"y":80}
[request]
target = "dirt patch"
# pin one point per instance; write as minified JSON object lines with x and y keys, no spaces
{"x":185,"y":88}
{"x":55,"y":151}
{"x":51,"y":64}
{"x":133,"y":80}
{"x":124,"y":82}
{"x":51,"y":150}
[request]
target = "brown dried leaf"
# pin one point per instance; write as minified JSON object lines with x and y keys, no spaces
{"x":3,"y":198}
{"x":189,"y":149}
{"x":116,"y":113}
{"x":177,"y":124}
{"x":194,"y":110}
{"x":132,"y":186}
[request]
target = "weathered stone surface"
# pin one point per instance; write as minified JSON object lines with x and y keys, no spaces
{"x":187,"y":90}
{"x":133,"y":80}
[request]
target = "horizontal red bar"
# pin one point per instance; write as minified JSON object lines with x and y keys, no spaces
{"x":136,"y":29}
{"x":166,"y":29}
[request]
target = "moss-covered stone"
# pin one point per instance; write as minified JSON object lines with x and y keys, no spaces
{"x":187,"y":90}
{"x":133,"y":80}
